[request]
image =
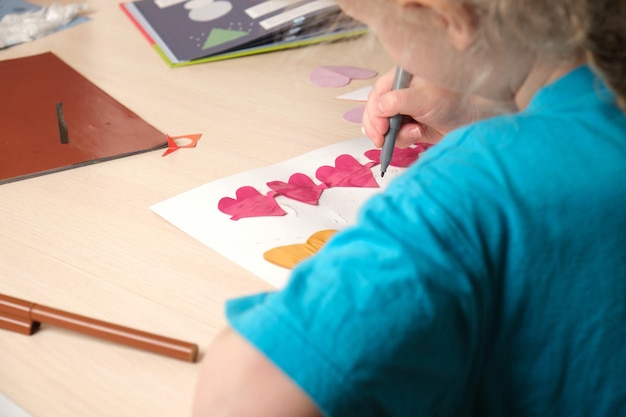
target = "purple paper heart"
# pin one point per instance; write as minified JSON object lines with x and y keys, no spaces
{"x":338,"y":76}
{"x":355,"y":115}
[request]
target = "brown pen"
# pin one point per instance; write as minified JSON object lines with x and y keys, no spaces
{"x":25,"y":317}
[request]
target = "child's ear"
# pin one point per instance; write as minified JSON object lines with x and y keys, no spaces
{"x":458,"y":19}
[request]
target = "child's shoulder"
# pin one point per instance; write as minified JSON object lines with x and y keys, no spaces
{"x":573,"y":110}
{"x":572,"y":125}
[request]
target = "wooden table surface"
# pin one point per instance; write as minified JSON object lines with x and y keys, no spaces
{"x":85,"y":240}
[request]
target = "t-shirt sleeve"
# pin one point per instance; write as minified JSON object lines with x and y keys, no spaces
{"x":389,"y":317}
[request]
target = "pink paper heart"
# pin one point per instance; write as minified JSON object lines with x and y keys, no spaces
{"x":355,"y":115}
{"x":347,"y":172}
{"x":338,"y":76}
{"x":300,"y":187}
{"x":250,"y":203}
{"x":401,"y":157}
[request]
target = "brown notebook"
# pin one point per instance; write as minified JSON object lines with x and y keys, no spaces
{"x":52,"y":118}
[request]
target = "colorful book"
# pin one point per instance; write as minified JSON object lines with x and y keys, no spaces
{"x":187,"y":32}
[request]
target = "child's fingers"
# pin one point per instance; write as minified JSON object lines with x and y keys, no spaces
{"x":383,"y":84}
{"x":409,"y":133}
{"x":431,"y":135}
{"x":405,"y":101}
{"x":383,"y":103}
{"x":374,"y":127}
{"x":376,"y":122}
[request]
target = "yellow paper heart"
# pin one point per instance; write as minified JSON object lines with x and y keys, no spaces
{"x":290,"y":255}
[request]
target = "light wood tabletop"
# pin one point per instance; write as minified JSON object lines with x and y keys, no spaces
{"x":84,"y":240}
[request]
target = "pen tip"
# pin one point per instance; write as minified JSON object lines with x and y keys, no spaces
{"x":382,"y":174}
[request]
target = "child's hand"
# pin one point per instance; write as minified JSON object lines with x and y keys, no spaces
{"x":431,"y":111}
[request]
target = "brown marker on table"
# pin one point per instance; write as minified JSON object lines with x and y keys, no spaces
{"x":25,"y":317}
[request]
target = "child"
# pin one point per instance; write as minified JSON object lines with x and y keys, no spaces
{"x":490,"y":278}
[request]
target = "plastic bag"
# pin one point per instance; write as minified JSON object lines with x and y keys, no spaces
{"x":23,"y":27}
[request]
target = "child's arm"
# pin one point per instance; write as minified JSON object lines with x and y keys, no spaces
{"x":237,"y":380}
{"x":437,"y":110}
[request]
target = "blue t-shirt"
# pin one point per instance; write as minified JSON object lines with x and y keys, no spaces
{"x":489,"y":280}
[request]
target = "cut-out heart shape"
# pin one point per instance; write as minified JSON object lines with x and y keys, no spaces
{"x":347,"y":172}
{"x":401,"y":157}
{"x":338,"y":76}
{"x":290,"y":255}
{"x":355,"y":115}
{"x":250,"y":203}
{"x":300,"y":187}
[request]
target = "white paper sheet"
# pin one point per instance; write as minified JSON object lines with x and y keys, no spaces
{"x":244,"y":241}
{"x":359,"y":95}
{"x":9,"y":409}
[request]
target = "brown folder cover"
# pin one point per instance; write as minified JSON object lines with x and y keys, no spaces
{"x":98,"y":127}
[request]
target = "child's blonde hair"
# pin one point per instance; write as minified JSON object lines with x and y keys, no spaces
{"x":567,"y":29}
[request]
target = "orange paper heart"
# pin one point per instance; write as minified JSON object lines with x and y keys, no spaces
{"x":290,"y":255}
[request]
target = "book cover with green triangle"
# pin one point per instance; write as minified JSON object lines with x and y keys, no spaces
{"x":190,"y":31}
{"x":219,"y":37}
